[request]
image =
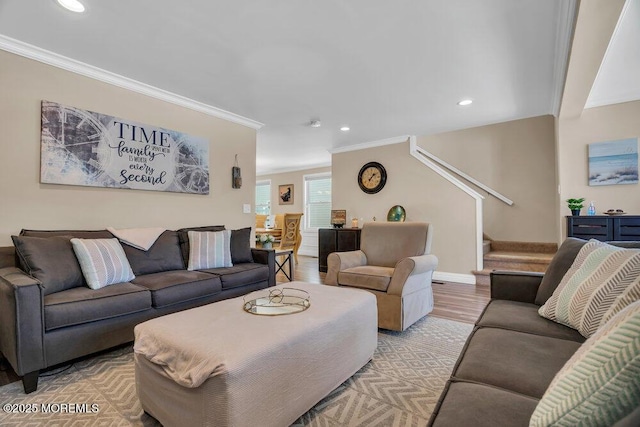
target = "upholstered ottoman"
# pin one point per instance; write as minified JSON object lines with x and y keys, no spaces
{"x":219,"y":365}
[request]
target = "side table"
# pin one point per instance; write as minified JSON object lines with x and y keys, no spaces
{"x":284,"y":257}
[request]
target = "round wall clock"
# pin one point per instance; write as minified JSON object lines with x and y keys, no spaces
{"x":372,"y":177}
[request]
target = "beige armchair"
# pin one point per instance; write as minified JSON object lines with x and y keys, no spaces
{"x":395,"y":265}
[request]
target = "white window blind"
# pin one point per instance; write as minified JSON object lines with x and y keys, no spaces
{"x":263,"y":197}
{"x":317,"y":207}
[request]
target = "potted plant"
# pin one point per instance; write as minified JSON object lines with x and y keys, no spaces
{"x":575,"y":205}
{"x":266,"y":240}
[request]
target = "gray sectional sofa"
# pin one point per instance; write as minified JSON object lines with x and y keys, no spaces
{"x":513,"y":353}
{"x":48,"y":315}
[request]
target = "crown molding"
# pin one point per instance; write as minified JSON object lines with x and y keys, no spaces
{"x":371,"y":144}
{"x":293,"y":169}
{"x":47,"y":57}
{"x":562,"y":48}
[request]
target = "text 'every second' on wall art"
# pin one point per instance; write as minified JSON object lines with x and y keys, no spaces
{"x":80,"y":147}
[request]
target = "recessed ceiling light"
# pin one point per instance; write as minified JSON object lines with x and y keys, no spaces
{"x":344,"y":128}
{"x":72,"y":5}
{"x":465,"y":102}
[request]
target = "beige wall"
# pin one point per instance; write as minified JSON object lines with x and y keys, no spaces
{"x":297,"y":179}
{"x":515,"y":158}
{"x":425,"y":196}
{"x":25,"y":203}
{"x":600,"y":124}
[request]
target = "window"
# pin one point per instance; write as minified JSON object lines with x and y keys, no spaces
{"x":317,"y":200}
{"x":263,"y":197}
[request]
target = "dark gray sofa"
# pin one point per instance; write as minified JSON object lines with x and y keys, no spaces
{"x":51,"y":316}
{"x":513,"y":353}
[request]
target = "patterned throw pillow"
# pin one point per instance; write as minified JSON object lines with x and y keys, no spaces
{"x":102,"y":261}
{"x":600,"y":384}
{"x":209,"y":249}
{"x":602,"y":281}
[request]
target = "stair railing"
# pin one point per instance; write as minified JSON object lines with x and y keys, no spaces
{"x":469,"y":178}
{"x":427,"y":159}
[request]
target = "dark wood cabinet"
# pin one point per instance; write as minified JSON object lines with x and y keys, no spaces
{"x":604,"y":227}
{"x":336,"y":240}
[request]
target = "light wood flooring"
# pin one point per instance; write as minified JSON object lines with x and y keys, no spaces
{"x":453,"y":301}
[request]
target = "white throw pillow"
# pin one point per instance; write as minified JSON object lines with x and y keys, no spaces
{"x":209,"y":249}
{"x":102,"y":261}
{"x":602,"y":281}
{"x":600,"y":384}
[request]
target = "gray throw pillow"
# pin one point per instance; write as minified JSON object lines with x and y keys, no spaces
{"x":560,"y":264}
{"x":51,"y":260}
{"x":164,"y":255}
{"x":241,"y":246}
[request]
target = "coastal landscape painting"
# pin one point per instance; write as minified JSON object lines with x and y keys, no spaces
{"x":613,"y":162}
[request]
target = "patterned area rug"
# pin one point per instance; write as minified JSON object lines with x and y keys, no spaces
{"x":399,"y":387}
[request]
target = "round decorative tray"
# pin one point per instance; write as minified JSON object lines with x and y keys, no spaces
{"x":278,"y":302}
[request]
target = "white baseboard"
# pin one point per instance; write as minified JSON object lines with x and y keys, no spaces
{"x":467,"y":279}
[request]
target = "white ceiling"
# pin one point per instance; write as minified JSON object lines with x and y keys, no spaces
{"x":384,"y":68}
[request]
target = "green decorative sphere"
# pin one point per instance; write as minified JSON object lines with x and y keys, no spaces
{"x":397,"y":214}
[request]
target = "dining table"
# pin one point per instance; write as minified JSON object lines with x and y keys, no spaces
{"x":275,"y":232}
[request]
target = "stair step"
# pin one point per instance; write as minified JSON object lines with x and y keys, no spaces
{"x":532,"y":257}
{"x":514,"y":256}
{"x":529,"y":247}
{"x":519,"y":261}
{"x":482,"y":276}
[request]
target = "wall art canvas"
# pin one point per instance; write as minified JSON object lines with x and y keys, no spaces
{"x":80,"y":147}
{"x":285,"y":194}
{"x":613,"y":162}
{"x":338,"y":217}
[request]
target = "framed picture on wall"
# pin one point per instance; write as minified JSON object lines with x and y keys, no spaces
{"x":81,"y":147}
{"x":613,"y":162}
{"x":338,"y":218}
{"x":285,"y":194}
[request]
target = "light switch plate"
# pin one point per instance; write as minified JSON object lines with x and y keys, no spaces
{"x":246,"y":208}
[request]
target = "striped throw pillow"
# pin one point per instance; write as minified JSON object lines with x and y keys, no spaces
{"x":600,"y":384}
{"x":102,"y":262}
{"x":602,"y":281}
{"x":209,"y":249}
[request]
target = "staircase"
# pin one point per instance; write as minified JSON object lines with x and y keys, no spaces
{"x":514,"y":256}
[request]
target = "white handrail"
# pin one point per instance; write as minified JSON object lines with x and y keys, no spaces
{"x":464,"y":175}
{"x":418,"y":154}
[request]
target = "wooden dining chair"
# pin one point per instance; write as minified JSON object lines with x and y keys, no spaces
{"x":260,"y":219}
{"x":291,"y":236}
